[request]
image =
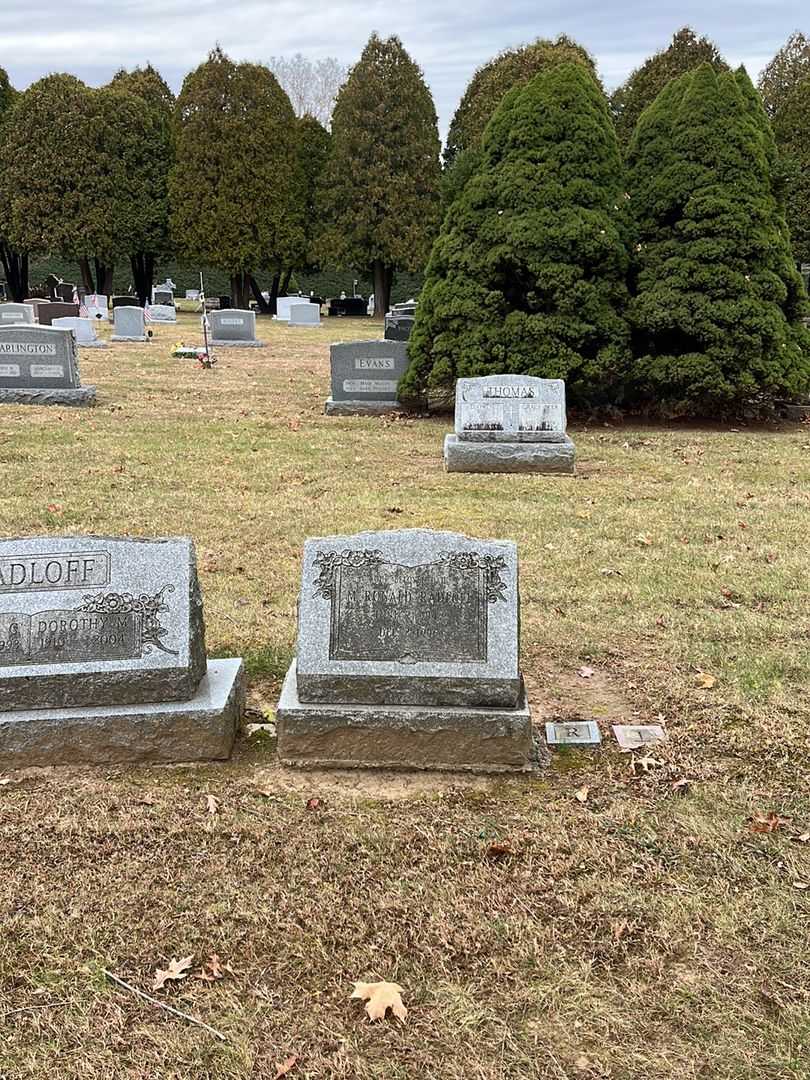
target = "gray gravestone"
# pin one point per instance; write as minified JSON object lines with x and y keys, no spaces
{"x":84,"y":331}
{"x":164,"y":313}
{"x":96,"y":305}
{"x":102,"y":654}
{"x":407,"y":654}
{"x":16,"y":313}
{"x":163,"y":296}
{"x":509,"y":423}
{"x":284,"y":303}
{"x":38,"y":366}
{"x":234,"y":327}
{"x":36,"y":303}
{"x":305,"y":314}
{"x":66,"y":290}
{"x":637,"y":736}
{"x":56,"y":310}
{"x":365,"y":377}
{"x":128,"y":324}
{"x":398,"y":326}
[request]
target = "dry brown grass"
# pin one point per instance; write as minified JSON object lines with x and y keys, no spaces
{"x":647,"y":933}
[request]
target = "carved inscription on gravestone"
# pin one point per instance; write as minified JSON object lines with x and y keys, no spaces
{"x":436,"y":612}
{"x":519,"y":408}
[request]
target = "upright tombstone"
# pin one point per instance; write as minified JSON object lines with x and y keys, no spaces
{"x":39,"y":366}
{"x":407,"y":655}
{"x":84,"y":331}
{"x":125,"y":300}
{"x":163,"y":296}
{"x":509,"y":423}
{"x":234,"y":327}
{"x":164,"y":313}
{"x":398,"y":326}
{"x":12,"y":314}
{"x":97,"y":307}
{"x":365,"y":377}
{"x":304,"y":314}
{"x":102,"y":655}
{"x":128,"y":324}
{"x":284,"y":303}
{"x":36,"y":303}
{"x":57,"y":309}
{"x":66,"y":290}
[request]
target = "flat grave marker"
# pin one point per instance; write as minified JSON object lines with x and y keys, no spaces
{"x":573,"y":733}
{"x":637,"y":736}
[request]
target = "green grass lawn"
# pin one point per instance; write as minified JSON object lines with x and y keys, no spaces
{"x":648,"y":931}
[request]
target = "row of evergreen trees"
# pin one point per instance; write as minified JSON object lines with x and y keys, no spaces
{"x":666,"y":281}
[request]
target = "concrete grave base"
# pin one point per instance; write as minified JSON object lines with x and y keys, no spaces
{"x":122,"y":337}
{"x":78,"y":396}
{"x":507,"y":457}
{"x":238,"y":344}
{"x":402,"y":736}
{"x":361,"y":408}
{"x":201,"y":729}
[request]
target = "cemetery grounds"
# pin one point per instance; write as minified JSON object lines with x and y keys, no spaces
{"x":615,"y":915}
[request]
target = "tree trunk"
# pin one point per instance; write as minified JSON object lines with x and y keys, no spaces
{"x":87,"y":274}
{"x":143,"y":275}
{"x":264,"y":307}
{"x":284,"y":288}
{"x":383,"y":277}
{"x":240,"y":289}
{"x":15,"y":266}
{"x":104,"y":277}
{"x":274,"y":294}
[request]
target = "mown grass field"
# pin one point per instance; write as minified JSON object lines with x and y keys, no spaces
{"x":648,"y":931}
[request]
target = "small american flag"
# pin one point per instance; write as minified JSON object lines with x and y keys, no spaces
{"x":147,"y":314}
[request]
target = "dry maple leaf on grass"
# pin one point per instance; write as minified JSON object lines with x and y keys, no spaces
{"x":379,"y":998}
{"x":177,"y":969}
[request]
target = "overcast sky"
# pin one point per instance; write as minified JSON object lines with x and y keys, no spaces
{"x":93,"y":38}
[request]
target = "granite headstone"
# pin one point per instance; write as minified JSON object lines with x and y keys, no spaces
{"x":102,"y":654}
{"x":509,"y":423}
{"x":234,"y":327}
{"x":10,"y":314}
{"x":96,"y":305}
{"x":407,"y":654}
{"x":84,"y":330}
{"x":39,"y":366}
{"x":163,"y":313}
{"x":128,"y":324}
{"x":365,"y":377}
{"x":57,"y":309}
{"x":304,"y":314}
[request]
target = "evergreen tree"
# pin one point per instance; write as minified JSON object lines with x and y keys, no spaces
{"x":528,"y":273}
{"x":148,"y":176}
{"x":70,"y":189}
{"x":684,"y":53}
{"x":235,"y":186}
{"x":486,"y":90}
{"x":379,"y":195}
{"x":792,"y":131}
{"x":14,"y":263}
{"x":718,"y":301}
{"x":789,"y":67}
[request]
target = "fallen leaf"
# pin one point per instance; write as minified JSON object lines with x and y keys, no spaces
{"x":177,"y":970}
{"x":285,"y":1066}
{"x":585,"y":672}
{"x":582,"y":1063}
{"x":610,"y":571}
{"x":582,"y":794}
{"x":643,"y":764}
{"x":379,"y":998}
{"x":500,"y":849}
{"x":766,"y":823}
{"x":294,"y":423}
{"x":213,"y":970}
{"x":212,"y":803}
{"x":5,"y":780}
{"x":681,"y":785}
{"x":645,"y":541}
{"x":802,"y":838}
{"x":801,"y":885}
{"x":314,"y":804}
{"x":704,"y":680}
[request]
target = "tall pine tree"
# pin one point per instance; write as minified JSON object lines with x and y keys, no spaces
{"x":528,"y":273}
{"x":789,"y":67}
{"x":379,"y":195}
{"x":718,"y":301}
{"x":792,"y":131}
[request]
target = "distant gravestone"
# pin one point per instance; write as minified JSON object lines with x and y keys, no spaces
{"x":284,"y":303}
{"x":305,"y":314}
{"x":192,"y":294}
{"x":96,"y":305}
{"x":65,"y":290}
{"x":407,"y":655}
{"x":84,"y":331}
{"x":102,"y":654}
{"x":38,"y":366}
{"x":165,"y":313}
{"x":16,"y":313}
{"x":125,"y":301}
{"x":36,"y":303}
{"x":234,"y":327}
{"x":509,"y":423}
{"x":128,"y":324}
{"x":162,"y":296}
{"x":57,"y":309}
{"x":398,"y":326}
{"x":365,"y":377}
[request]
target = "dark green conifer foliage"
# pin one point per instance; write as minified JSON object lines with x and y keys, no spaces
{"x":235,"y":187}
{"x":718,"y":301}
{"x":380,"y":188}
{"x":528,"y":273}
{"x":684,"y":53}
{"x":792,"y":131}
